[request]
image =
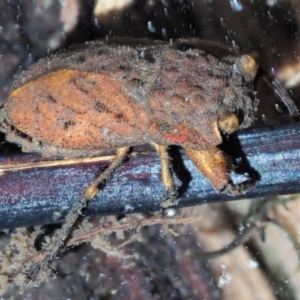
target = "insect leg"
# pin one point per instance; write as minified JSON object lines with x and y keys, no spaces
{"x":167,"y":176}
{"x":216,"y":166}
{"x":95,"y":186}
{"x":81,"y":203}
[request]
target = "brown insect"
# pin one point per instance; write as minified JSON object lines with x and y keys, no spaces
{"x":100,"y":96}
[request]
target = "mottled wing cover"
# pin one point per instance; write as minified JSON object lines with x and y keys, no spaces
{"x":75,"y":109}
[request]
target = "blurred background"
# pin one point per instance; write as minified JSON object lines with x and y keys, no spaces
{"x":166,"y":263}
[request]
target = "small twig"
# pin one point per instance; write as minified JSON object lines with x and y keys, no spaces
{"x":255,"y":218}
{"x":84,"y":238}
{"x":127,"y":226}
{"x":234,"y":244}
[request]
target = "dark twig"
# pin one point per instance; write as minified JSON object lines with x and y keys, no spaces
{"x":25,"y":199}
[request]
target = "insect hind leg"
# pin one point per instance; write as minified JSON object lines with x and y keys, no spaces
{"x":76,"y":209}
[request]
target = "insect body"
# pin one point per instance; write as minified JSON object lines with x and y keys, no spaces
{"x":100,"y":96}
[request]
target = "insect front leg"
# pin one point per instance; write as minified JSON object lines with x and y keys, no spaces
{"x":216,"y":166}
{"x":167,"y":176}
{"x":76,"y":209}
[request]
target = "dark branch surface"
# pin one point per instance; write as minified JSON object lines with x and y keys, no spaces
{"x":44,"y":195}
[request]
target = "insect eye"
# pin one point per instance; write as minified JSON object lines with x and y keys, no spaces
{"x":247,"y":66}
